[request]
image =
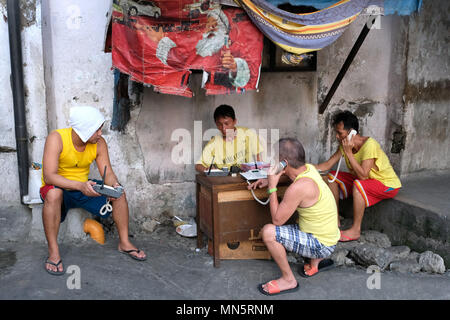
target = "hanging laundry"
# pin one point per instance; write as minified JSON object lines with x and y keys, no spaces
{"x":400,"y":7}
{"x":160,"y":42}
{"x":301,"y":33}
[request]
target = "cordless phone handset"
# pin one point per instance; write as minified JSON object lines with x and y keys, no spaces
{"x":106,"y":190}
{"x":349,"y":138}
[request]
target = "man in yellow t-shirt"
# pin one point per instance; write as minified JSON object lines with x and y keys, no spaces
{"x":233,"y":146}
{"x":371,"y":177}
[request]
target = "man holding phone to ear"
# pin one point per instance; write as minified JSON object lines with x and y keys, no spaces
{"x":315,"y":235}
{"x":371,"y":177}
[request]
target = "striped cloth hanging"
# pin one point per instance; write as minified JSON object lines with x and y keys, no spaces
{"x":302,"y":33}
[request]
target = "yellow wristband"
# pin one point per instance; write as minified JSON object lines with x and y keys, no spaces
{"x":272,"y":190}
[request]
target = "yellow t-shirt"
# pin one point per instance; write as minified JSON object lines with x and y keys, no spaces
{"x":321,"y":218}
{"x":74,"y":165}
{"x":385,"y":173}
{"x":244,"y":148}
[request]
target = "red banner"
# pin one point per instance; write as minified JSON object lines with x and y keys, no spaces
{"x":160,"y":42}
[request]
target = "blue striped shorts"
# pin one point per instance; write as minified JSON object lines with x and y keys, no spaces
{"x":302,"y":243}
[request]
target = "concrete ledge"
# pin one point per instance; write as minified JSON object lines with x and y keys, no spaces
{"x":406,"y":224}
{"x":15,"y":222}
{"x":71,"y":230}
{"x":419,"y":216}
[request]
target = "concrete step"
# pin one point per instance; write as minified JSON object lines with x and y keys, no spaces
{"x":419,"y":216}
{"x":19,"y":222}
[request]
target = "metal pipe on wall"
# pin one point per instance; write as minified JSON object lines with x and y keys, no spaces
{"x":362,"y":36}
{"x":15,"y":48}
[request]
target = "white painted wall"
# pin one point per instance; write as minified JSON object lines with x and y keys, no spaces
{"x":34,"y":87}
{"x":68,"y":41}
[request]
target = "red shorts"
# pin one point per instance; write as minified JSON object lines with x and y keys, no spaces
{"x":44,"y":190}
{"x":373,"y":191}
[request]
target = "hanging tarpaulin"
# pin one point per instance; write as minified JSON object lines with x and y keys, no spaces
{"x":400,"y":7}
{"x":301,"y":33}
{"x":160,"y":42}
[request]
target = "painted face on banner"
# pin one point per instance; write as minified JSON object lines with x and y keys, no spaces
{"x":213,"y":39}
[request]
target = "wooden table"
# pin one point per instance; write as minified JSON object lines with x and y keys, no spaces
{"x":227,"y":211}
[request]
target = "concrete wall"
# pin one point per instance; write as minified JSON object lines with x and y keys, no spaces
{"x":34,"y":87}
{"x":427,"y":92}
{"x":400,"y":60}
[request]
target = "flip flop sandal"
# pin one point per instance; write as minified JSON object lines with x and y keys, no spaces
{"x":128,"y":252}
{"x":275,"y":291}
{"x":325,"y":264}
{"x":55,"y":273}
{"x":344,"y":238}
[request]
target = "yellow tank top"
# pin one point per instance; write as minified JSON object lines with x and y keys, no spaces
{"x":321,"y":218}
{"x":74,"y":165}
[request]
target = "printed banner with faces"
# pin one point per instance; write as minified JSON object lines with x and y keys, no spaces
{"x":160,"y":42}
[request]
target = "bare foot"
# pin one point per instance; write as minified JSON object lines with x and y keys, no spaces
{"x":57,"y":266}
{"x":349,"y":235}
{"x":282,"y":285}
{"x":137,"y":253}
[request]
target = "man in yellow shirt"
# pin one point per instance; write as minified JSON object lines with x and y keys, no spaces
{"x":233,"y":146}
{"x":371,"y":177}
{"x":315,"y":235}
{"x":68,"y":154}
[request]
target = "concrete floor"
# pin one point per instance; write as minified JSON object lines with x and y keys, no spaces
{"x":174,"y":270}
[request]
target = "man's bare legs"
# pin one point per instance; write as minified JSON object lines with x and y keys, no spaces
{"x":335,"y":190}
{"x":120,"y":216}
{"x":359,"y":205}
{"x":278,"y":252}
{"x":51,"y":218}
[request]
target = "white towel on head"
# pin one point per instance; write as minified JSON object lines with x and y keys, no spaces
{"x":85,"y":121}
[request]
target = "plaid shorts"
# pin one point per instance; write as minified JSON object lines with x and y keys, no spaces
{"x":302,"y":243}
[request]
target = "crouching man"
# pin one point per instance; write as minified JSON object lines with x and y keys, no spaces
{"x":316,"y":234}
{"x":68,"y":154}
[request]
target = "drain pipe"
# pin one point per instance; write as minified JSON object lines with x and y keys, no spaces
{"x":15,"y":48}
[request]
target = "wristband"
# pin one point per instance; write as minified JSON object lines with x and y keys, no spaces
{"x":272,"y":190}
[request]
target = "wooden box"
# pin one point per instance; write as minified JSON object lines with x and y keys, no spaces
{"x":241,"y":250}
{"x":227,"y":213}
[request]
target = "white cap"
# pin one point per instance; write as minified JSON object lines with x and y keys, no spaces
{"x":85,"y":120}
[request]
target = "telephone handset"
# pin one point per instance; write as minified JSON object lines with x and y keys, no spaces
{"x":349,"y":138}
{"x":280,"y":167}
{"x":351,"y":134}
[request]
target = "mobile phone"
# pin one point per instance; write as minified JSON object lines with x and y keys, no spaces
{"x":351,"y":134}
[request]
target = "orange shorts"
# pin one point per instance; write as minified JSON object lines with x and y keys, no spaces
{"x":373,"y":191}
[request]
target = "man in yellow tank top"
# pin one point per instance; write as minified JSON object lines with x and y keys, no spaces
{"x":316,"y":234}
{"x":68,"y":154}
{"x":371,"y":177}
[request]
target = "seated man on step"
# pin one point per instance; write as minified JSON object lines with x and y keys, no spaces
{"x":68,"y":154}
{"x":371,"y":177}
